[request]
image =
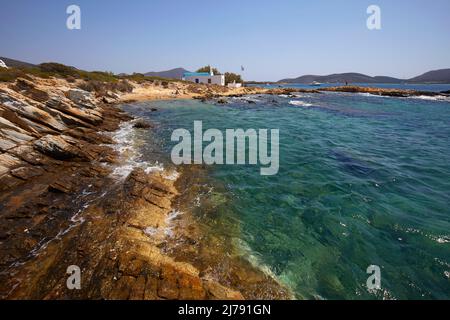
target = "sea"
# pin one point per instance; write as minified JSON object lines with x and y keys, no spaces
{"x":363,"y":181}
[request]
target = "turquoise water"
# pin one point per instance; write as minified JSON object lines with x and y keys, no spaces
{"x":363,"y":180}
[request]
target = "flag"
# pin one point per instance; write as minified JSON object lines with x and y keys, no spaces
{"x":242,"y":68}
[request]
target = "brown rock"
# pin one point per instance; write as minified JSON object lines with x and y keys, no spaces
{"x":63,"y":186}
{"x":191,"y":288}
{"x":12,"y":117}
{"x":217,"y":291}
{"x":168,"y":284}
{"x":122,"y":288}
{"x":157,"y":200}
{"x":7,"y":181}
{"x":56,"y":147}
{"x":108,"y":100}
{"x":132,"y":267}
{"x":89,"y":135}
{"x":151,"y":288}
{"x":10,"y":161}
{"x":138,"y":289}
{"x":26,"y":173}
{"x":6,"y":144}
{"x":81,"y":98}
{"x":90,"y":116}
{"x":28,"y":89}
{"x":142,"y":124}
{"x":29,"y":154}
{"x":33,"y":113}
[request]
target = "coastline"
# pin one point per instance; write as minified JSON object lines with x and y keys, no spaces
{"x":183,"y":90}
{"x":60,"y":205}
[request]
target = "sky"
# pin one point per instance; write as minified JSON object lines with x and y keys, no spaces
{"x":271,"y":39}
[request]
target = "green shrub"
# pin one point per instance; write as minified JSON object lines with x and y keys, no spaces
{"x":54,"y":69}
{"x":208,"y":69}
{"x":101,"y":88}
{"x":231,"y":77}
{"x":8,"y":75}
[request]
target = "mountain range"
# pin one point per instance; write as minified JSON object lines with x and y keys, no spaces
{"x":436,"y":76}
{"x":176,"y":73}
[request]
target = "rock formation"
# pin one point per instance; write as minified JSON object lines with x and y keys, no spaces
{"x":60,"y":206}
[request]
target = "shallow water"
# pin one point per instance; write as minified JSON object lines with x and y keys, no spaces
{"x":363,"y":180}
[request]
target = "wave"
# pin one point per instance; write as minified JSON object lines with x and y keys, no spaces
{"x":367,"y":94}
{"x":254,"y":259}
{"x":440,"y":238}
{"x":247,"y":99}
{"x":126,"y":140}
{"x":168,"y":231}
{"x":431,"y":98}
{"x":299,"y":103}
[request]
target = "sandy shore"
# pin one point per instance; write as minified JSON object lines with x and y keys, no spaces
{"x":184,"y":90}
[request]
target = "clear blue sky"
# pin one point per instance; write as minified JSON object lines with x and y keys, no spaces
{"x":272,"y":39}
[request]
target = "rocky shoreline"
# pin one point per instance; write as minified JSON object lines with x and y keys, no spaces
{"x":384,"y":92}
{"x":60,"y":206}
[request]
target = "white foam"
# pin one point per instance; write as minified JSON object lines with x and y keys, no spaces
{"x":248,"y":99}
{"x":254,"y":260}
{"x":300,"y":103}
{"x":173,"y":176}
{"x":431,"y":98}
{"x":150,"y":231}
{"x":125,"y":141}
{"x":158,"y":167}
{"x":367,"y":94}
{"x":441,"y":239}
{"x":168,"y":231}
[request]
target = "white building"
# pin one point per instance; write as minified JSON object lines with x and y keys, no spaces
{"x":3,"y":65}
{"x":204,"y":77}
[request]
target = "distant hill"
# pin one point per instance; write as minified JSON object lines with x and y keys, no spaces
{"x":437,"y":76}
{"x":342,"y":77}
{"x":176,"y":73}
{"x":16,"y":63}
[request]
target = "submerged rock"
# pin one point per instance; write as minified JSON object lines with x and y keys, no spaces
{"x":142,"y":124}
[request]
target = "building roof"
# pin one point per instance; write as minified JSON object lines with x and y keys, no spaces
{"x":196,"y":74}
